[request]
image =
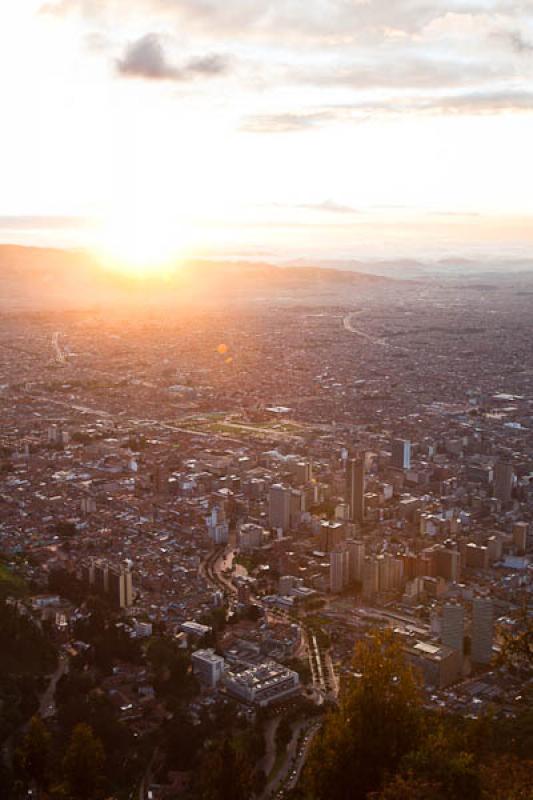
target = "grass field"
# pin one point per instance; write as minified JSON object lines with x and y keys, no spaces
{"x":10,"y":584}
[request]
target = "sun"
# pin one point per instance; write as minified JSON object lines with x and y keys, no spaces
{"x":140,"y":246}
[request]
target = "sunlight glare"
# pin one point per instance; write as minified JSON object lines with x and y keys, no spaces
{"x":141,"y":246}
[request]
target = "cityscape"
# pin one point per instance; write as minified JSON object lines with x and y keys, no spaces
{"x":266,"y":400}
{"x":263,"y":489}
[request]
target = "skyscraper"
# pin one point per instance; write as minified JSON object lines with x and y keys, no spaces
{"x":120,"y":586}
{"x":338,"y":569}
{"x":401,"y":454}
{"x":218,"y":526}
{"x":503,"y":481}
{"x":280,"y":506}
{"x":355,"y":488}
{"x":356,"y":559}
{"x":482,"y":630}
{"x":453,"y":626}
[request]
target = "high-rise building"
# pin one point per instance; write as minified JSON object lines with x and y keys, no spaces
{"x":446,"y":563}
{"x":218,"y":526}
{"x":250,"y":536}
{"x":207,"y":666}
{"x":520,"y":530}
{"x":390,"y":572}
{"x":503,"y":481}
{"x":303,"y":472}
{"x":331,"y":535}
{"x":356,"y":559}
{"x":482,"y":630}
{"x":453,"y":626}
{"x":401,"y":454}
{"x":120,"y":586}
{"x":280,"y":506}
{"x":355,"y":488}
{"x":297,"y":507}
{"x":338,"y":569}
{"x":101,"y":576}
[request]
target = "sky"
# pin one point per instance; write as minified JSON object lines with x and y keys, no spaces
{"x":282,"y":128}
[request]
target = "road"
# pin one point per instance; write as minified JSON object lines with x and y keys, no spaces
{"x":289,"y":771}
{"x":347,"y":323}
{"x":47,"y":705}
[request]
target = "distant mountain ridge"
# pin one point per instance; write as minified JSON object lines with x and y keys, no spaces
{"x":32,"y":277}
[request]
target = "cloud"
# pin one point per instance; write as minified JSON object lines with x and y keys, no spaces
{"x":284,"y":122}
{"x":146,"y":58}
{"x":518,"y":42}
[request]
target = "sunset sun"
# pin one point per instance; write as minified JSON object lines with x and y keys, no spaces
{"x":140,"y":246}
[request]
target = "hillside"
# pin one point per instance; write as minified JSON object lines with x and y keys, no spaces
{"x":47,"y":278}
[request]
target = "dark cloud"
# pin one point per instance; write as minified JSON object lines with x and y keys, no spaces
{"x":519,"y":43}
{"x":146,"y":58}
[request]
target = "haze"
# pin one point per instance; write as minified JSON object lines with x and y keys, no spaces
{"x":281,"y":129}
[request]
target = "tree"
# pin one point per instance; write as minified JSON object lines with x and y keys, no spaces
{"x":441,"y":760}
{"x":83,"y":764}
{"x":34,"y":753}
{"x":225,"y":774}
{"x":409,"y":787}
{"x":377,"y":723}
{"x":517,"y":648}
{"x":507,"y":778}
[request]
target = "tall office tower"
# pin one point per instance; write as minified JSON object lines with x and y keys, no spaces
{"x":218,"y":526}
{"x":453,"y":626}
{"x":446,"y":563}
{"x":355,"y":488}
{"x":520,"y":530}
{"x":503,"y":481}
{"x":401,"y":453}
{"x":280,"y":506}
{"x":87,"y":572}
{"x":297,"y":507}
{"x":331,"y":535}
{"x":482,"y":630}
{"x":338,"y":569}
{"x":101,"y":577}
{"x":356,"y":559}
{"x":390,"y":572}
{"x":303,"y":472}
{"x":121,"y":587}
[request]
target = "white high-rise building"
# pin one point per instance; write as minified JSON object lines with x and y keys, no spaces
{"x":482,"y":630}
{"x":218,"y":526}
{"x":207,"y":666}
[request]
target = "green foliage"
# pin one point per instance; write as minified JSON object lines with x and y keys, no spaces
{"x":225,"y":774}
{"x":377,"y":724}
{"x":34,"y":753}
{"x":23,"y":667}
{"x":103,"y":631}
{"x":517,"y":648}
{"x":83,"y":764}
{"x":172,"y":676}
{"x":11,"y":584}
